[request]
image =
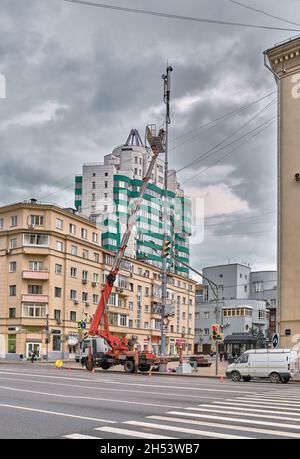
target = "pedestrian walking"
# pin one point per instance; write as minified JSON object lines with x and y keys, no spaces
{"x":33,"y":354}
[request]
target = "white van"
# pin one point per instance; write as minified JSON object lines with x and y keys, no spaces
{"x":275,"y":364}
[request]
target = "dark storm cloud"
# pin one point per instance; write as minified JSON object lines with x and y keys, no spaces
{"x":79,"y":78}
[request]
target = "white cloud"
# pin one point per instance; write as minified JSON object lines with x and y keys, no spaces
{"x":48,"y":111}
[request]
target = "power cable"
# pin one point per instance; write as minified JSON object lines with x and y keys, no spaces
{"x":243,"y":5}
{"x":176,"y":16}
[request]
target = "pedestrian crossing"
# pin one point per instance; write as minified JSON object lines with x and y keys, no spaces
{"x":275,"y":414}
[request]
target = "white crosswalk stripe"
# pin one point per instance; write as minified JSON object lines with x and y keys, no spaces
{"x":273,"y":414}
{"x":77,"y":436}
{"x":131,"y":433}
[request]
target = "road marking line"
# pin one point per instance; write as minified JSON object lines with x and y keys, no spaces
{"x":131,"y":433}
{"x":89,"y":398}
{"x":240,"y":420}
{"x":254,"y":410}
{"x":184,"y":430}
{"x":233,"y":411}
{"x":197,"y":396}
{"x":226,"y":426}
{"x":261,"y":405}
{"x":55,"y":413}
{"x":279,"y":402}
{"x":200,"y":389}
{"x":77,"y":436}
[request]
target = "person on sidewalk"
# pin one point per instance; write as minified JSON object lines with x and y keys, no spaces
{"x":33,"y":355}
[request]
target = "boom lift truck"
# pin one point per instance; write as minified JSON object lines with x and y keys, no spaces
{"x":101,"y":348}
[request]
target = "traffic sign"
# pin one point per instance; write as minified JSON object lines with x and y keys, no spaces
{"x":275,"y":340}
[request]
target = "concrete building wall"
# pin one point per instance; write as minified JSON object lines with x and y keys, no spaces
{"x":284,"y":60}
{"x":46,"y":286}
{"x":233,"y":280}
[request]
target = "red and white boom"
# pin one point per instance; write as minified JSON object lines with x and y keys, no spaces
{"x":156,"y":143}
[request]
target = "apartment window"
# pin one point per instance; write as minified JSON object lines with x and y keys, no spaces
{"x":220,"y":275}
{"x":96,"y":277}
{"x":147,"y":308}
{"x":74,"y":250}
{"x":183,"y":300}
{"x":59,"y":246}
{"x":12,"y":313}
{"x":130,"y":323}
{"x":41,"y":240}
{"x":135,"y":160}
{"x":93,"y":197}
{"x":105,"y":184}
{"x":206,"y":331}
{"x":197,"y":331}
{"x":123,"y":320}
{"x":59,"y":224}
{"x":13,"y":267}
{"x":56,"y":343}
{"x":37,"y":220}
{"x":73,"y":294}
{"x":72,"y":228}
{"x":14,"y":220}
{"x":83,"y":233}
{"x":1,"y":223}
{"x":85,"y":275}
{"x":245,"y":288}
{"x":183,"y":329}
{"x":197,"y":315}
{"x":206,"y":315}
{"x":93,"y":185}
{"x":85,"y":253}
{"x":58,"y":269}
{"x":13,"y":243}
{"x":33,"y":310}
{"x":257,"y":287}
{"x":73,"y":272}
{"x":12,"y":290}
{"x":130,"y":305}
{"x":190,"y":316}
{"x":95,"y":299}
{"x":135,"y":171}
{"x":35,"y":266}
{"x":96,"y":257}
{"x":95,"y":238}
{"x":106,"y":174}
{"x":85,"y":296}
{"x":146,"y":325}
{"x":241,"y":276}
{"x":57,"y":314}
{"x":261,"y":314}
{"x":105,"y":195}
{"x":57,"y":292}
{"x":183,"y":316}
{"x":105,"y":208}
{"x":35,"y":289}
{"x":147,"y":291}
{"x":73,"y":316}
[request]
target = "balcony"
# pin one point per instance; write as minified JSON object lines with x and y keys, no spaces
{"x":28,"y":298}
{"x":38,"y":275}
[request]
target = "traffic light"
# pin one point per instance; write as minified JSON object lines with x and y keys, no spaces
{"x":215,"y":331}
{"x":166,"y":248}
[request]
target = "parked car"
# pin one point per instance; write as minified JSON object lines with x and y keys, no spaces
{"x":202,"y":360}
{"x":279,"y":365}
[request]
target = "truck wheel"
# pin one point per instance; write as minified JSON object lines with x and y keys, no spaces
{"x":129,"y":366}
{"x":144,"y":368}
{"x":105,"y":366}
{"x":89,"y":365}
{"x":275,"y":378}
{"x":235,"y":376}
{"x":246,"y":378}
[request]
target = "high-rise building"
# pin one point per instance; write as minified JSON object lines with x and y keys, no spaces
{"x":106,"y":191}
{"x":284,"y":62}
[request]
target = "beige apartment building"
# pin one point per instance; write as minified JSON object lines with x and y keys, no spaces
{"x":283,"y":60}
{"x":52,"y":269}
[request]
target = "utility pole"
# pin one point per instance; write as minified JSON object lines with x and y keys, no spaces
{"x":167,"y":96}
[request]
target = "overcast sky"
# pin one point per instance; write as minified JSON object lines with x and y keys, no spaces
{"x":79,"y":78}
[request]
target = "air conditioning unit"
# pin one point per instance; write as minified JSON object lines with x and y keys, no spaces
{"x":58,"y":321}
{"x":87,"y":304}
{"x":7,"y":251}
{"x":84,"y":281}
{"x":76,"y":302}
{"x":94,"y":284}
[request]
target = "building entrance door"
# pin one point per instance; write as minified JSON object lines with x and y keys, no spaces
{"x":31,"y":347}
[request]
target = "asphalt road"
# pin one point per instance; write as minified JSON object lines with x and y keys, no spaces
{"x":43,"y":402}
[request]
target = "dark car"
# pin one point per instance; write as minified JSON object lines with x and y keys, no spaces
{"x":202,"y":360}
